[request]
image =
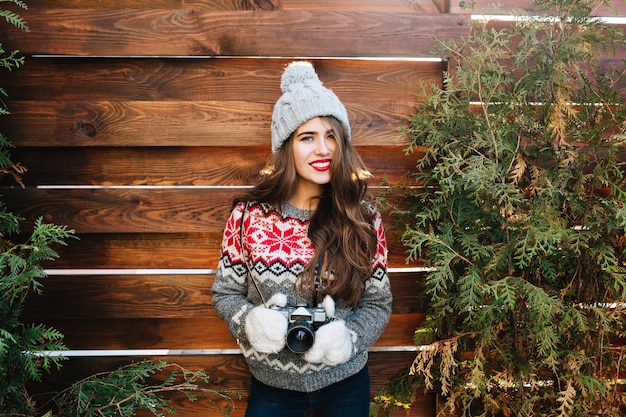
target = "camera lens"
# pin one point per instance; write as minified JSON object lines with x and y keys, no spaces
{"x":300,"y":336}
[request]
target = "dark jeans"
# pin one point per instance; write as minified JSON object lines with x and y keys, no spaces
{"x":347,"y":398}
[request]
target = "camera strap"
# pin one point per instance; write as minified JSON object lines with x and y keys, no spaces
{"x":318,"y":278}
{"x":245,"y":260}
{"x":318,"y":268}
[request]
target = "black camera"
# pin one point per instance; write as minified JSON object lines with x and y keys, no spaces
{"x":302,"y":323}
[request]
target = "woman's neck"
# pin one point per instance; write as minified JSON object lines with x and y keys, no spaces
{"x":305,"y":198}
{"x":303,"y":203}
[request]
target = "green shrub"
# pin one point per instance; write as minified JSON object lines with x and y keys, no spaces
{"x":517,"y":208}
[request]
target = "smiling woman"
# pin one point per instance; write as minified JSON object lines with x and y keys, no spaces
{"x":331,"y":262}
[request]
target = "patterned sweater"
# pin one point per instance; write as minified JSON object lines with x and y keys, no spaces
{"x":277,"y":249}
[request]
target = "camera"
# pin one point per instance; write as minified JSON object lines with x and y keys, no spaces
{"x":302,"y":323}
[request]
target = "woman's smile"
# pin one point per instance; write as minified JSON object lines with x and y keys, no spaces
{"x":321,"y":165}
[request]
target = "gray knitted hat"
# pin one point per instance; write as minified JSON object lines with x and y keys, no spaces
{"x":304,"y":97}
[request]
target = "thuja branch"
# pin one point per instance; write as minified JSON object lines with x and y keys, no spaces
{"x":450,"y":248}
{"x":129,"y":388}
{"x":183,"y":386}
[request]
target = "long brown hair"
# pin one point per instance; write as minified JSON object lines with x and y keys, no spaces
{"x":341,"y":227}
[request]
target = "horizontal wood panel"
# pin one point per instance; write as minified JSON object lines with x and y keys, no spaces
{"x":157,"y":102}
{"x":166,"y":123}
{"x":424,"y":6}
{"x":123,"y":296}
{"x":255,"y":80}
{"x":186,"y":32}
{"x":125,"y":210}
{"x":186,"y":333}
{"x":166,"y":251}
{"x":129,"y":210}
{"x":179,"y":166}
{"x":140,"y":251}
{"x":159,"y":296}
{"x":228,"y":373}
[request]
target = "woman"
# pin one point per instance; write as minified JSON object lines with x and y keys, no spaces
{"x":302,"y":279}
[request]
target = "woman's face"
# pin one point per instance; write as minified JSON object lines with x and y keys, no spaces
{"x":314,"y":145}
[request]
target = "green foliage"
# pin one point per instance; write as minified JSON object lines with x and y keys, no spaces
{"x":12,"y":17}
{"x":518,"y":208}
{"x":11,"y":60}
{"x":397,"y":393}
{"x":131,"y":388}
{"x":22,"y":345}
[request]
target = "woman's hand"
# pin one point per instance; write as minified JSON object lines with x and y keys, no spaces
{"x":333,"y":341}
{"x":266,"y":328}
{"x":332,"y":345}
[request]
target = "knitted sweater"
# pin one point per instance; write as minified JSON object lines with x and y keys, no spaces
{"x":277,"y":249}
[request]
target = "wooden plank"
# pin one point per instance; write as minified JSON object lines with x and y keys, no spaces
{"x":77,"y":80}
{"x":125,"y":210}
{"x":140,"y":251}
{"x":166,"y":251}
{"x":146,"y":333}
{"x":424,"y":6}
{"x":129,"y":210}
{"x":145,"y":102}
{"x":207,"y":332}
{"x":159,"y":296}
{"x":226,"y":372}
{"x":167,"y":123}
{"x":184,"y":32}
{"x":163,"y":166}
{"x":180,"y":166}
{"x":123,"y":296}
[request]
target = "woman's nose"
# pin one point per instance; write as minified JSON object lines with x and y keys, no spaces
{"x":322,"y":147}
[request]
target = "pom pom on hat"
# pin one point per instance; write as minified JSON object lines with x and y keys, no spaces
{"x":304,"y":97}
{"x":298,"y":73}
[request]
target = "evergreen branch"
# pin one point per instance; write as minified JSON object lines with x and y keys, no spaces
{"x":127,"y":389}
{"x":438,"y":241}
{"x":14,"y":19}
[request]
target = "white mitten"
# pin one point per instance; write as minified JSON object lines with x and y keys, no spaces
{"x":333,"y":341}
{"x":267,"y":328}
{"x":332,"y":345}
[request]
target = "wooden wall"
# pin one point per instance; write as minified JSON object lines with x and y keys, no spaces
{"x":139,"y":120}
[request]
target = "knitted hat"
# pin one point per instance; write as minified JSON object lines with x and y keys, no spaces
{"x":304,"y":97}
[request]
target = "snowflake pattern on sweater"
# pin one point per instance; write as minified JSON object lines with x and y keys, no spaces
{"x":277,"y":248}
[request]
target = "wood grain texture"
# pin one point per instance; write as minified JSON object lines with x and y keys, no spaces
{"x":126,"y":210}
{"x":166,"y":123}
{"x":423,"y":6}
{"x":179,"y":166}
{"x":254,"y":80}
{"x":188,"y":32}
{"x":213,"y":102}
{"x":131,"y":210}
{"x":162,"y":296}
